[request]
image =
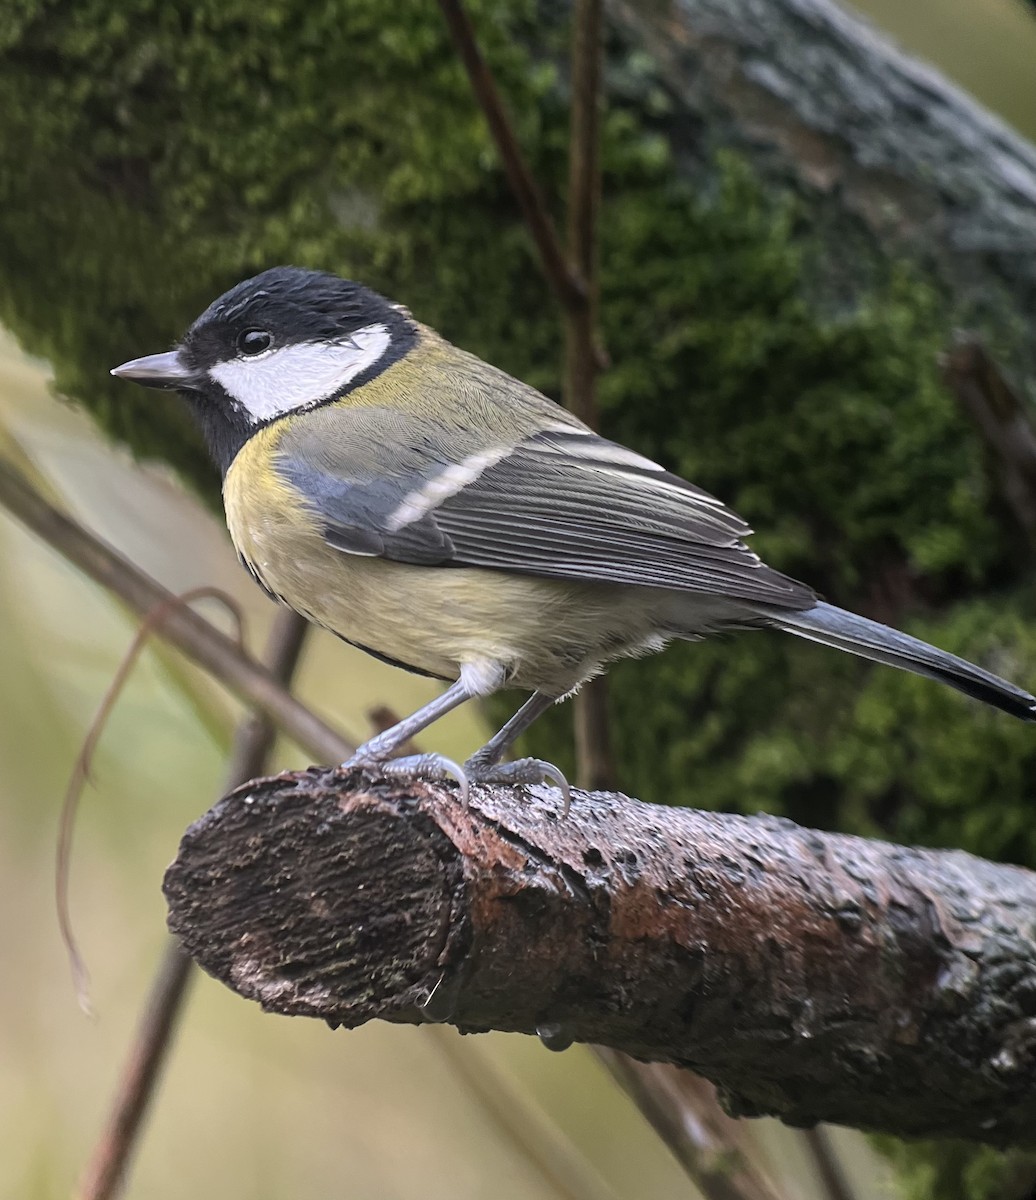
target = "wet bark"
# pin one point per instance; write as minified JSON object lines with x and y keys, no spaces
{"x":811,"y":976}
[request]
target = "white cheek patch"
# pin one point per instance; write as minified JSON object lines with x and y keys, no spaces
{"x":288,"y":378}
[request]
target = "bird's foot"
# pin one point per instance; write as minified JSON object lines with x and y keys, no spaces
{"x":521,"y":770}
{"x":475,"y":770}
{"x":425,"y":766}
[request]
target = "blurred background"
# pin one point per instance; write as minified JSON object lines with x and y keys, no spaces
{"x":154,"y":154}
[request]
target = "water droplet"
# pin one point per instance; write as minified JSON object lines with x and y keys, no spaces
{"x":438,"y":1005}
{"x":554,"y":1035}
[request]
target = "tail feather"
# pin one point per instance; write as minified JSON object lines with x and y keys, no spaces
{"x":833,"y":626}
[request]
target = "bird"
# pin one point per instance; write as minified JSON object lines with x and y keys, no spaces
{"x":445,"y":517}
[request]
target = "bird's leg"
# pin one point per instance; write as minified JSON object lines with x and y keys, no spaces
{"x":484,"y":765}
{"x":436,"y":766}
{"x":498,"y":745}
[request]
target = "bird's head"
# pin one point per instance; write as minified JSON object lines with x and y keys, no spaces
{"x":282,"y":342}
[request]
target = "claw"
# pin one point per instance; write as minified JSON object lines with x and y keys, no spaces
{"x":522,"y":770}
{"x":425,"y":766}
{"x":475,"y":770}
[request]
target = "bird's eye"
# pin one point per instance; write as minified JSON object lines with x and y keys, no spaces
{"x":254,"y":341}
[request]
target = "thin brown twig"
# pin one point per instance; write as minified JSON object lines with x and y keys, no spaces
{"x":568,"y":285}
{"x":185,"y":629}
{"x":594,"y":757}
{"x":539,"y":1144}
{"x":688,"y":1118}
{"x":84,"y":760}
{"x":826,"y":1164}
{"x":105,"y":1173}
{"x":708,"y":1145}
{"x":584,"y":199}
{"x":1003,"y":420}
{"x":711,"y":1147}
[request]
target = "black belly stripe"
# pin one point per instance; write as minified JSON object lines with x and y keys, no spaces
{"x":259,"y":580}
{"x":392,"y":662}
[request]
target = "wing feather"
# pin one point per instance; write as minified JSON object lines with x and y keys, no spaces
{"x":564,"y":504}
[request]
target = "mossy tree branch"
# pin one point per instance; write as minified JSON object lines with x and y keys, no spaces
{"x":811,"y":976}
{"x":889,"y":160}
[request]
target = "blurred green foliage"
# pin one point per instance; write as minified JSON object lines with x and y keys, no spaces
{"x":154,"y":154}
{"x":959,"y":1170}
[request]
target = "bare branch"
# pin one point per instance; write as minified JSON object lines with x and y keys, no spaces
{"x":715,"y":1150}
{"x":569,"y":288}
{"x":584,"y":198}
{"x":536,"y":1140}
{"x":1003,"y":421}
{"x":105,"y":1174}
{"x":584,"y":166}
{"x":811,"y":976}
{"x":825,"y":1160}
{"x":596,"y":764}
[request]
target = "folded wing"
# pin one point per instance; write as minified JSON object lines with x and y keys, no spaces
{"x":564,"y":504}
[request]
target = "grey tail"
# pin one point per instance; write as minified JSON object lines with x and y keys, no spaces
{"x":844,"y":630}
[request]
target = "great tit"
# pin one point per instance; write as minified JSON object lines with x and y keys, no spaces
{"x":439,"y":514}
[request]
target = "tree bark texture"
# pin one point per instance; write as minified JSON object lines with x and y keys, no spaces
{"x":811,"y":976}
{"x":888,"y":160}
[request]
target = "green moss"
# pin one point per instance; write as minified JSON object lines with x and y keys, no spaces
{"x":155,"y":154}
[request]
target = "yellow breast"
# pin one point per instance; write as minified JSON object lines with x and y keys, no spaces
{"x":539,"y":633}
{"x":265,"y":515}
{"x":432,"y":620}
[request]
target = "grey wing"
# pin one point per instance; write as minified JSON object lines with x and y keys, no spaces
{"x":564,"y":504}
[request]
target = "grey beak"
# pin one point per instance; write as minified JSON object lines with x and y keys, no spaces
{"x":157,"y":370}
